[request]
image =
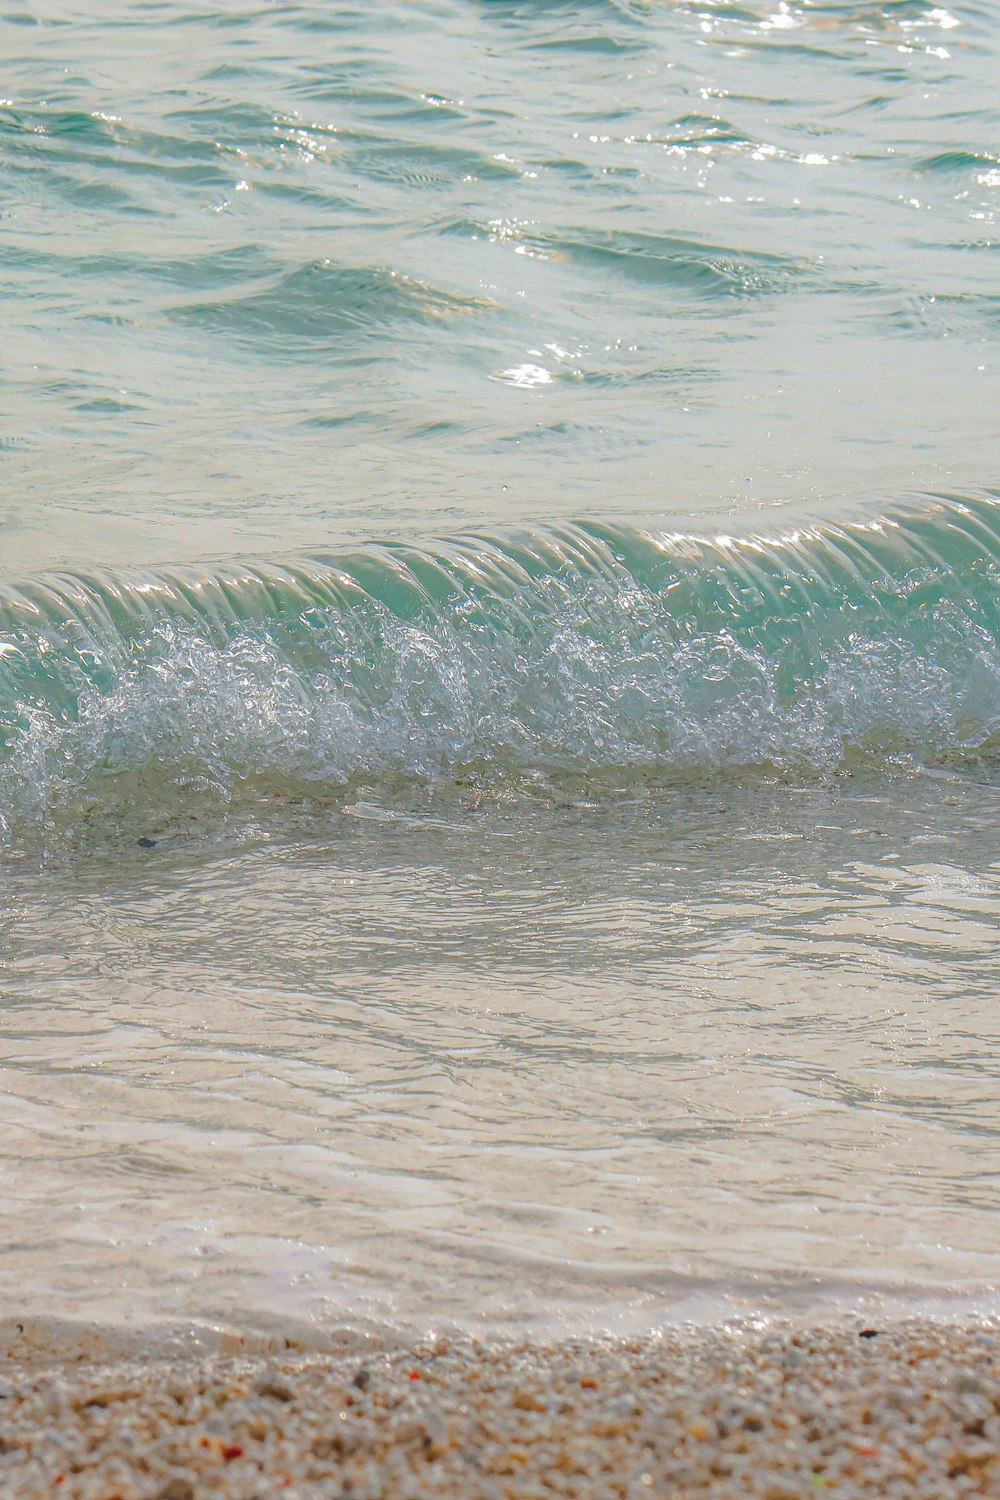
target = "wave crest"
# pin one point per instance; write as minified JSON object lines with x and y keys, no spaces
{"x":572,"y":647}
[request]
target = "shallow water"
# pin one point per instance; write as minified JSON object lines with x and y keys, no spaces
{"x":599,"y":1054}
{"x":579,"y":908}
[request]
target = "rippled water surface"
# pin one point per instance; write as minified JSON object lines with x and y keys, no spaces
{"x":275,"y":273}
{"x":604,"y":1054}
{"x":499,"y":658}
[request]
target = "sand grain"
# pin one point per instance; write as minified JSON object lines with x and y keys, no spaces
{"x":913,"y":1409}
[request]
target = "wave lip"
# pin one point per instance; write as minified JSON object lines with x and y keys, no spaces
{"x":583,"y":646}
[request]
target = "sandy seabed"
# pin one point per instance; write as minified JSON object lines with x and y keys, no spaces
{"x":910,"y":1408}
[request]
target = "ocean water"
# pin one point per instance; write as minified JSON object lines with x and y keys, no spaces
{"x":499,"y":662}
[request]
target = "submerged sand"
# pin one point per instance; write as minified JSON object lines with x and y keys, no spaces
{"x":908,"y":1409}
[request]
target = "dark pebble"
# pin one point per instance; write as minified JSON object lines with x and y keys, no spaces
{"x":273,"y":1387}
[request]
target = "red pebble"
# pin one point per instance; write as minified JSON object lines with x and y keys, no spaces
{"x":415,"y":1375}
{"x":231,"y":1451}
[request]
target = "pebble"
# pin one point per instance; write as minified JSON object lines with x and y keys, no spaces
{"x":178,"y":1487}
{"x":527,"y":1401}
{"x":273,"y":1387}
{"x":913,"y":1413}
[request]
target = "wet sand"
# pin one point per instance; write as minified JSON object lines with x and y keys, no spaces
{"x":910,"y":1408}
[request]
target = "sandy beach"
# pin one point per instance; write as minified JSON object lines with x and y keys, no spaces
{"x":912,"y":1408}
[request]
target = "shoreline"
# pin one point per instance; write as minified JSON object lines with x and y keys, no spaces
{"x":908,"y":1406}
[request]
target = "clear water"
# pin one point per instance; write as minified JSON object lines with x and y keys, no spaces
{"x":499,"y":666}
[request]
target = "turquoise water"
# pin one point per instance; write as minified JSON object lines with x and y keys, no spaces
{"x":580,"y":648}
{"x":499,"y":667}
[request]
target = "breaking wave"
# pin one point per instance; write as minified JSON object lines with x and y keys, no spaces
{"x":571,"y":647}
